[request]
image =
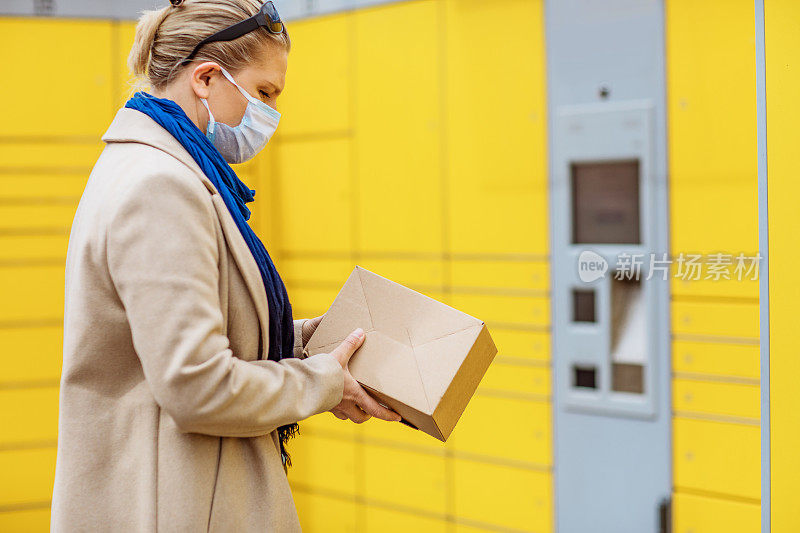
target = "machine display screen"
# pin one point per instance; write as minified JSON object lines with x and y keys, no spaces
{"x":605,"y":202}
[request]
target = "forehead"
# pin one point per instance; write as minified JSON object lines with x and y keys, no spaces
{"x":269,"y":66}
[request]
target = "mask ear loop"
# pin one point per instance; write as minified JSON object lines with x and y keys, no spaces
{"x":230,"y":79}
{"x":211,"y":127}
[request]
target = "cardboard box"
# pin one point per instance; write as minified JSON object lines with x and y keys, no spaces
{"x":422,"y":358}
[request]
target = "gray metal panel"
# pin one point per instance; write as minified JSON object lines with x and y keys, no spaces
{"x":298,"y":9}
{"x":763,"y":277}
{"x":116,"y":9}
{"x":611,"y":469}
{"x":603,"y":132}
{"x":130,"y":9}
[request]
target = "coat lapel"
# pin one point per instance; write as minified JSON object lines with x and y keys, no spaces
{"x":130,"y":125}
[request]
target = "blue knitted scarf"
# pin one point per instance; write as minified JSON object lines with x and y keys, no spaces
{"x":235,"y":194}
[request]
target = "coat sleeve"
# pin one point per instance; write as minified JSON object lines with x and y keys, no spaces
{"x":163,"y":256}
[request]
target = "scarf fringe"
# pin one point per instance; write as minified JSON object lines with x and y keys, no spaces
{"x":284,"y":434}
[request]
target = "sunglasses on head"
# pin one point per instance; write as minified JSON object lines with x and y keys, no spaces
{"x":267,"y":17}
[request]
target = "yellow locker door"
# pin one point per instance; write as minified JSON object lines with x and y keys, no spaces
{"x":496,"y":127}
{"x":398,"y":128}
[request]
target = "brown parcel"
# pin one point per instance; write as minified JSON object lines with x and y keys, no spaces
{"x":420,"y":357}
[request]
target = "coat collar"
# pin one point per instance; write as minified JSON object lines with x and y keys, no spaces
{"x":132,"y":126}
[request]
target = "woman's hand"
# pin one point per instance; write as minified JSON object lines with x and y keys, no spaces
{"x":309,"y":327}
{"x":356,"y":404}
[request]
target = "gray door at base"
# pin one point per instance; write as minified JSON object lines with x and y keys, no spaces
{"x":610,"y":274}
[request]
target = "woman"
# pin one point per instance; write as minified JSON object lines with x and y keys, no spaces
{"x":183,"y":370}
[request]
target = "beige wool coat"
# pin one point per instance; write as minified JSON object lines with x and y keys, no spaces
{"x":169,"y":409}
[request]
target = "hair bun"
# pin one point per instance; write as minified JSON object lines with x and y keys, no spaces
{"x":175,"y":3}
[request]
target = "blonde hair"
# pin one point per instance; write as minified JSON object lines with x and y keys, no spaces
{"x":165,"y":37}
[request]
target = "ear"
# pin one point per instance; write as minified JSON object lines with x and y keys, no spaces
{"x":202,"y":77}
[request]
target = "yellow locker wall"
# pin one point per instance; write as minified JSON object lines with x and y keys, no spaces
{"x":714,"y":208}
{"x":55,"y":105}
{"x":390,"y":156}
{"x":782,"y":35}
{"x":386,"y":129}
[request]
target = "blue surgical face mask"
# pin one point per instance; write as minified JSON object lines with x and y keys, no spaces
{"x":241,"y":143}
